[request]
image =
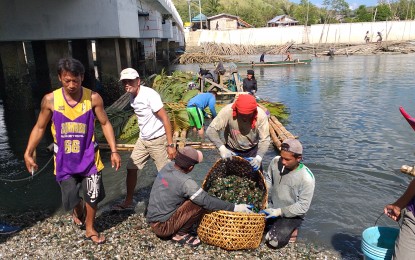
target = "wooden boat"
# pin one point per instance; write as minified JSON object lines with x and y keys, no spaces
{"x":272,"y":63}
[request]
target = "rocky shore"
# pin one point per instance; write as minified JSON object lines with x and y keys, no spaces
{"x":48,"y":236}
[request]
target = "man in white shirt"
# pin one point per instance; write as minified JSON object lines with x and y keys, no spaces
{"x":156,"y":138}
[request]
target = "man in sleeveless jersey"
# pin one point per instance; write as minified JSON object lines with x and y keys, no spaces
{"x":73,"y":110}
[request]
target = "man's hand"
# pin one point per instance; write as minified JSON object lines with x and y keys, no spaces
{"x":255,"y":162}
{"x":171,"y":152}
{"x":392,"y":211}
{"x":271,"y":213}
{"x":245,"y":208}
{"x":225,"y":152}
{"x":115,"y":160}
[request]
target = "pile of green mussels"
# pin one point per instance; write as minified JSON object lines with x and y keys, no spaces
{"x":234,"y":181}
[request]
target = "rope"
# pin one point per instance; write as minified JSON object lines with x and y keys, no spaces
{"x":399,"y":224}
{"x":30,"y":177}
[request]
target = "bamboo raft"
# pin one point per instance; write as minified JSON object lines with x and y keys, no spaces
{"x":277,"y":131}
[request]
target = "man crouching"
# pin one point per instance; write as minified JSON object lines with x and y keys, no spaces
{"x":290,"y":188}
{"x":177,"y":202}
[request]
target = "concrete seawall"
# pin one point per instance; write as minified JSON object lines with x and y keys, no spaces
{"x":352,"y":33}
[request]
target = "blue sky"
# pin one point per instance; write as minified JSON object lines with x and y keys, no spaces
{"x":352,"y":3}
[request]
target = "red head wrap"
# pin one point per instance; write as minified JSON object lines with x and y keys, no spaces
{"x":245,"y":104}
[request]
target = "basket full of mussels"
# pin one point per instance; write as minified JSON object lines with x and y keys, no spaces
{"x":234,"y":181}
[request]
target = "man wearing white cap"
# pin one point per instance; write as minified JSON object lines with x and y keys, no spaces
{"x":156,"y":139}
{"x":290,"y":190}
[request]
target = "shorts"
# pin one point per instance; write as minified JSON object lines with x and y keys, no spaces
{"x":92,"y":188}
{"x":280,"y":230}
{"x":405,"y":243}
{"x":144,"y":149}
{"x":196,"y":117}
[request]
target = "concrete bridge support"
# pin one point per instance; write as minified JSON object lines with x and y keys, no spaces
{"x":56,"y":50}
{"x":82,"y":51}
{"x":150,"y":54}
{"x":15,"y":85}
{"x":113,"y":55}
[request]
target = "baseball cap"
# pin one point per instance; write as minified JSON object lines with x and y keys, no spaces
{"x":292,"y":145}
{"x":188,"y":156}
{"x":129,"y":73}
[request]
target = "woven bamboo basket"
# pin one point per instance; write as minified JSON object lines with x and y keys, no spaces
{"x":233,"y":230}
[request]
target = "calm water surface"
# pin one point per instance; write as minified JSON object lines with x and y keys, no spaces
{"x":345,"y":112}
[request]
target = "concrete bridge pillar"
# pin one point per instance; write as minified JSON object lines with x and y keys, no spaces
{"x":15,"y":84}
{"x":125,"y":53}
{"x":55,"y":50}
{"x":82,"y":51}
{"x":108,"y":58}
{"x":165,"y":51}
{"x":149,"y":46}
{"x":43,"y":84}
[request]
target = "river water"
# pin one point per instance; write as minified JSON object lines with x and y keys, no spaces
{"x":344,"y":111}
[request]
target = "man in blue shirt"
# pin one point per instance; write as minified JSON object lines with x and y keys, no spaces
{"x":196,"y":110}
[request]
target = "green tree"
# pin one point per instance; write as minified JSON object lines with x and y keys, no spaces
{"x":307,"y":11}
{"x":212,"y":7}
{"x":363,"y":15}
{"x":383,"y":13}
{"x":405,"y":9}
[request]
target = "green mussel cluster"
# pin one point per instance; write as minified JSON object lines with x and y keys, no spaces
{"x":236,"y":182}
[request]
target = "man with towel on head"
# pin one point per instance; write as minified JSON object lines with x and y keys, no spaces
{"x":177,"y":202}
{"x":246,"y":130}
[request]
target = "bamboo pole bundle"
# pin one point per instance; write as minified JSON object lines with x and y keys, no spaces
{"x":201,"y":58}
{"x":281,"y":49}
{"x":183,"y":134}
{"x":130,"y":147}
{"x":282,"y":128}
{"x":274,"y":138}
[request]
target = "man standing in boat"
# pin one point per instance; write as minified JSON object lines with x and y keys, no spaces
{"x":156,"y":137}
{"x":290,"y":190}
{"x":73,"y":110}
{"x":262,"y":58}
{"x":246,"y":130}
{"x":289,"y":57}
{"x":249,"y":83}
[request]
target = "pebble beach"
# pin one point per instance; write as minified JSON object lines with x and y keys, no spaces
{"x":128,"y":236}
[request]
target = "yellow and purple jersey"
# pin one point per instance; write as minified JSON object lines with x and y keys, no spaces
{"x":75,"y":148}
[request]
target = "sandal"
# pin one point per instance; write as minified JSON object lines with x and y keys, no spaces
{"x":187,"y":240}
{"x":98,"y":236}
{"x":122,"y":207}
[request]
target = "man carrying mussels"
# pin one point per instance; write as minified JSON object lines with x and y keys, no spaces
{"x":290,"y":190}
{"x":246,"y":130}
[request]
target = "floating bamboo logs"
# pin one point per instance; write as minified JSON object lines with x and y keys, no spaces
{"x":182,"y":141}
{"x":130,"y":147}
{"x":410,"y":170}
{"x":278,"y":132}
